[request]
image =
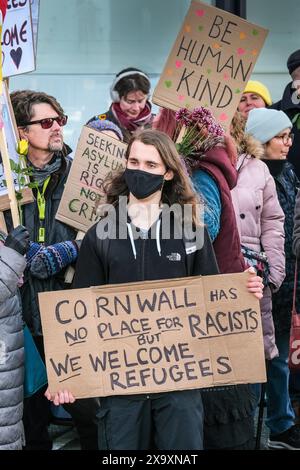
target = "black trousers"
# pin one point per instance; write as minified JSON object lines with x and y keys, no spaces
{"x":165,"y":421}
{"x":37,"y":414}
{"x":83,"y":413}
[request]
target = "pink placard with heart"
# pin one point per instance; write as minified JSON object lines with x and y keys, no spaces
{"x":18,"y":53}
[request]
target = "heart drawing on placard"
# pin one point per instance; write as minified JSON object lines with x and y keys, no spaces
{"x":16,"y":55}
{"x":223,"y":117}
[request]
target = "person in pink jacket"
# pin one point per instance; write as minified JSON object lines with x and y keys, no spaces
{"x":260,"y":221}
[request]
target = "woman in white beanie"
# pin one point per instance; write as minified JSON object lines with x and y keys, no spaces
{"x":273,"y":129}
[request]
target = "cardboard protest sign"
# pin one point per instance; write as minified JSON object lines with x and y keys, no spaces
{"x":210,"y":63}
{"x":97,"y":156}
{"x":153,"y":336}
{"x":17,"y":39}
{"x":11,"y":138}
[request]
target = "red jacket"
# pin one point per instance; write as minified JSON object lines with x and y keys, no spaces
{"x":227,"y":245}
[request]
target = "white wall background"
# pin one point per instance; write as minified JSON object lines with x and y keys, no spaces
{"x":82,"y":44}
{"x":282,"y":18}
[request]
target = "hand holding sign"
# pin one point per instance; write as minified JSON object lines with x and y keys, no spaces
{"x":59,"y":398}
{"x":255,"y":283}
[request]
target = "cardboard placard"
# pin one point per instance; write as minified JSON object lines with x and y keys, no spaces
{"x":11,"y":134}
{"x":153,"y":336}
{"x":210,"y":63}
{"x":17,"y":39}
{"x":97,"y":156}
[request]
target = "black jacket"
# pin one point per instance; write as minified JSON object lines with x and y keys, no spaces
{"x":287,"y":185}
{"x":293,"y":112}
{"x":56,"y":232}
{"x":113,"y":261}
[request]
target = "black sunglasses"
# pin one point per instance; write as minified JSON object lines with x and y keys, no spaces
{"x":47,"y":123}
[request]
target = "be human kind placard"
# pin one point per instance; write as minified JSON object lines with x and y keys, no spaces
{"x":210,"y":63}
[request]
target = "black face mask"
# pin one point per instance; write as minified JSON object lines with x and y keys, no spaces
{"x":141,"y":183}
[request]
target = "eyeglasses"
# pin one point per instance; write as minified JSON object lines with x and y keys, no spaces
{"x":47,"y":123}
{"x":286,"y":138}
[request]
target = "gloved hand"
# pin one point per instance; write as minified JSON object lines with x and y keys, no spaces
{"x":18,"y":240}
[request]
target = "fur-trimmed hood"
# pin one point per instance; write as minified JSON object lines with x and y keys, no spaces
{"x":251,"y":146}
{"x":246,"y":143}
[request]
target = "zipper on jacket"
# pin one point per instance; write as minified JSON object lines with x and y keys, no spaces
{"x":143,"y":259}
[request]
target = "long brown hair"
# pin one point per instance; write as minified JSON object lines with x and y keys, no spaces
{"x":176,"y":191}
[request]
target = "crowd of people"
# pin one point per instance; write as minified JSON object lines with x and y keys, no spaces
{"x":247,"y":182}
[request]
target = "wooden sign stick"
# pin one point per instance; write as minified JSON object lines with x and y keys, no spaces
{"x":9,"y":178}
{"x":71,"y":271}
{"x":181,"y":134}
{"x":3,"y":227}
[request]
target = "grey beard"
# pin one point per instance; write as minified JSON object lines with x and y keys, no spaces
{"x":55,"y":147}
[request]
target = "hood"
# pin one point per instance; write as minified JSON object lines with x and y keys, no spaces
{"x":219,"y":157}
{"x":250,"y":146}
{"x":246,"y":143}
{"x":286,"y":102}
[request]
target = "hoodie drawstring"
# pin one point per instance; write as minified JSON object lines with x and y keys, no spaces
{"x":157,"y":236}
{"x":131,"y":239}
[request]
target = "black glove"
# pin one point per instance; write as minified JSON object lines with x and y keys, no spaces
{"x":18,"y":240}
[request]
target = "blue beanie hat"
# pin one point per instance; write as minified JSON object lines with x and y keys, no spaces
{"x":104,"y":125}
{"x":264,"y":123}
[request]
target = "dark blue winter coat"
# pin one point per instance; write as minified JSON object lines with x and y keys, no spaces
{"x":287,"y":185}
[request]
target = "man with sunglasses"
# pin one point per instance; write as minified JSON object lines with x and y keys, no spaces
{"x":40,"y":120}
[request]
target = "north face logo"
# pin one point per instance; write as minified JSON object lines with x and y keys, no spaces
{"x":174,"y":257}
